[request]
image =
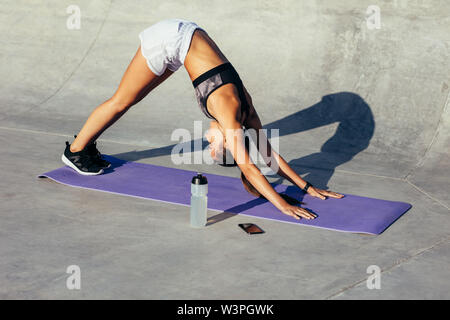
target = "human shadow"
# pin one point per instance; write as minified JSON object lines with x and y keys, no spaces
{"x":355,"y":129}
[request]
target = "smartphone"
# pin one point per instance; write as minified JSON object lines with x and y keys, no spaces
{"x":251,"y":228}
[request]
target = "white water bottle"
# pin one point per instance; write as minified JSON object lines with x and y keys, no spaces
{"x":199,"y":200}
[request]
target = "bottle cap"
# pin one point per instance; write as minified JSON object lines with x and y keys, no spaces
{"x":199,"y":179}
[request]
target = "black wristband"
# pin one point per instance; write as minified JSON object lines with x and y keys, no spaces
{"x":307,"y":186}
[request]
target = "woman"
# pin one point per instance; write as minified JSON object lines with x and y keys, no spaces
{"x":166,"y":46}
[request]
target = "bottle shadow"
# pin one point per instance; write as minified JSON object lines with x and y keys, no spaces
{"x":355,"y":129}
{"x":292,"y":195}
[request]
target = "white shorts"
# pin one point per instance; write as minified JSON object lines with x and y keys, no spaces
{"x":165,"y":44}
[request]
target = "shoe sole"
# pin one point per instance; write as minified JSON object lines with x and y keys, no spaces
{"x":108,"y":166}
{"x":69,"y":163}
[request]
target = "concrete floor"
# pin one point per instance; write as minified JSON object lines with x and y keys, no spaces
{"x":360,"y":111}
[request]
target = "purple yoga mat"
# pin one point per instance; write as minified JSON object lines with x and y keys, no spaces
{"x":226,"y":194}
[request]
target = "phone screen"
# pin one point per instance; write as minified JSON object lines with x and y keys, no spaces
{"x":251,"y":228}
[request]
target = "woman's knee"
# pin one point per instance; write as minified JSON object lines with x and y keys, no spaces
{"x":120,"y":104}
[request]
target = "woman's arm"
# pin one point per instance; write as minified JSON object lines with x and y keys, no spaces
{"x":283,"y":167}
{"x":234,"y":137}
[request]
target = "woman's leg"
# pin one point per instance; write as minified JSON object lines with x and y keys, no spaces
{"x":136,"y":83}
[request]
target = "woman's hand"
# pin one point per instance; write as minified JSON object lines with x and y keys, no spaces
{"x":297,"y":212}
{"x":323,"y":194}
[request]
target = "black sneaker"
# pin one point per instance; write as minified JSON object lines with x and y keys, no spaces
{"x":96,"y":155}
{"x":80,"y":161}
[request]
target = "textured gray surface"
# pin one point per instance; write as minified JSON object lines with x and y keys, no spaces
{"x":360,"y":111}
